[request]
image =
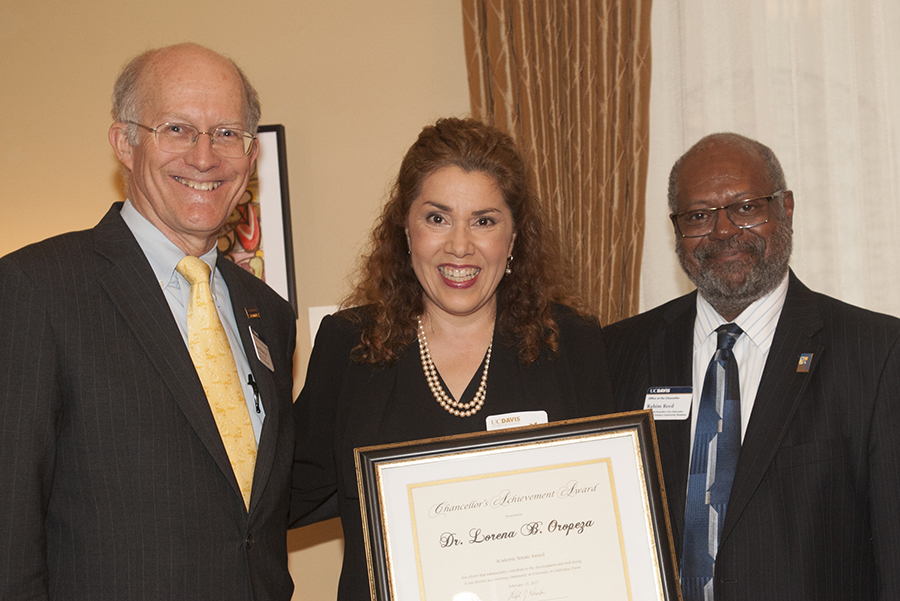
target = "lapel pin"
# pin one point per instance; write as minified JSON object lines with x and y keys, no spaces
{"x":803,"y":364}
{"x":252,"y":312}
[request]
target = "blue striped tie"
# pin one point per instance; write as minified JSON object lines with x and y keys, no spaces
{"x":717,"y":444}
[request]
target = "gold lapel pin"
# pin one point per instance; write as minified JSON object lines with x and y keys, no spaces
{"x":252,"y":312}
{"x":803,"y":364}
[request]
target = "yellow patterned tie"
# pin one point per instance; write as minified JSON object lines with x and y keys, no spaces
{"x":214,"y":362}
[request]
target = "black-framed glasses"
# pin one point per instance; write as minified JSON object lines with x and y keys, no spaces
{"x":179,"y":138}
{"x":751,"y":212}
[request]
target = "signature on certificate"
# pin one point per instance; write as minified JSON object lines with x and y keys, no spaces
{"x":520,"y":594}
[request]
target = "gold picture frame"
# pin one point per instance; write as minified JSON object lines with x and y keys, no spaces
{"x":563,"y":510}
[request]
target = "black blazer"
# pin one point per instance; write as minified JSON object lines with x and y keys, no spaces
{"x":345,"y":405}
{"x":116,"y":482}
{"x":814,"y":511}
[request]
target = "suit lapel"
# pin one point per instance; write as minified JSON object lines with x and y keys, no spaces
{"x":780,"y":391}
{"x":372,"y":387}
{"x":135,"y":292}
{"x":241,"y":300}
{"x":671,"y":350}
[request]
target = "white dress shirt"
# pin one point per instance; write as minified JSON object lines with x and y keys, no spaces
{"x":758,"y":321}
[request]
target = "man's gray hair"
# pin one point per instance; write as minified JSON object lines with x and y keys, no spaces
{"x":129,"y":96}
{"x":774,"y":172}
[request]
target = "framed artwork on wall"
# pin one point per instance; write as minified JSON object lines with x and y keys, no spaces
{"x":257,"y":235}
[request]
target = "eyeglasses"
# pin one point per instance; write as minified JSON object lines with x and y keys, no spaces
{"x":179,"y":138}
{"x":744,"y":214}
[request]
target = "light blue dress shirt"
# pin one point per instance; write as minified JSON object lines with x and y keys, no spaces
{"x":164,"y":257}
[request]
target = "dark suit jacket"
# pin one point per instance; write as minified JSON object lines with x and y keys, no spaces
{"x":116,"y":484}
{"x":345,"y":404}
{"x":814,"y":511}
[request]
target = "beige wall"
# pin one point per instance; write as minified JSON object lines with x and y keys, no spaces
{"x":352,"y":81}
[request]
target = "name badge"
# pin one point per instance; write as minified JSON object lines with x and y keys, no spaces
{"x":514,"y":420}
{"x":669,"y":403}
{"x":262,"y":351}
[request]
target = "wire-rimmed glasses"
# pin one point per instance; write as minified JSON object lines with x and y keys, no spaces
{"x":179,"y":138}
{"x":751,"y":212}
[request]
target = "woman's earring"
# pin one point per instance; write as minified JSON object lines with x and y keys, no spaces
{"x":508,"y":268}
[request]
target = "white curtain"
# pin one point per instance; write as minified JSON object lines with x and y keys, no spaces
{"x":819,"y":82}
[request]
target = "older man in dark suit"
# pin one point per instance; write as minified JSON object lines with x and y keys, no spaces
{"x":785,"y":484}
{"x":145,"y":382}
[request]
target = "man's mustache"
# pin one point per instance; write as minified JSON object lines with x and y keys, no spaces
{"x":753,"y":245}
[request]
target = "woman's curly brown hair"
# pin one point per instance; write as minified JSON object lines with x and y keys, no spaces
{"x":388,"y":285}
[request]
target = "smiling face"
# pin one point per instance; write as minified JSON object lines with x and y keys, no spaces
{"x":186,"y":196}
{"x":460,"y":233}
{"x":732,"y":267}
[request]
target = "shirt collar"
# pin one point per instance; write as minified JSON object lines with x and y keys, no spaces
{"x":758,"y":321}
{"x":161,"y":252}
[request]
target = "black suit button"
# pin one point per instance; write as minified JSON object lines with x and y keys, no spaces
{"x":248,"y":542}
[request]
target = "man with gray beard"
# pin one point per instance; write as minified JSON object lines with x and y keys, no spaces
{"x":780,"y":446}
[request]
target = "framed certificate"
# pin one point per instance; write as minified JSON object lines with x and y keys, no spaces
{"x":567,"y":510}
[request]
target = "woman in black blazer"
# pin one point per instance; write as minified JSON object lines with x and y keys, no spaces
{"x":460,"y":316}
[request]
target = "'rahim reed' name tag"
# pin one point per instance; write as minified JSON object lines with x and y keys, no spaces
{"x":669,"y":403}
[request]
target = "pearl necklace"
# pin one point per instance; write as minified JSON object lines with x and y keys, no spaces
{"x":451,"y":405}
